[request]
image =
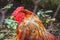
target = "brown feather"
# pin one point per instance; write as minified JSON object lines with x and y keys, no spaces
{"x":32,"y":28}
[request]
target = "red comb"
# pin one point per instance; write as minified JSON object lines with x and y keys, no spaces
{"x":18,"y":9}
{"x":18,"y":14}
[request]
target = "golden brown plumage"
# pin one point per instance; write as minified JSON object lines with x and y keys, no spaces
{"x":32,"y":28}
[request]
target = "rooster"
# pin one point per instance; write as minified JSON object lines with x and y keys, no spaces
{"x":30,"y":27}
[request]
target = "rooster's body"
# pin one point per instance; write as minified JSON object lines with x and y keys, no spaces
{"x":31,"y":27}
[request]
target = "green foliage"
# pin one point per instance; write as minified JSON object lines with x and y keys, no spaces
{"x":11,"y":23}
{"x":41,"y":13}
{"x":48,"y":11}
{"x":8,"y":6}
{"x":1,"y":36}
{"x":49,"y":19}
{"x":45,"y":14}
